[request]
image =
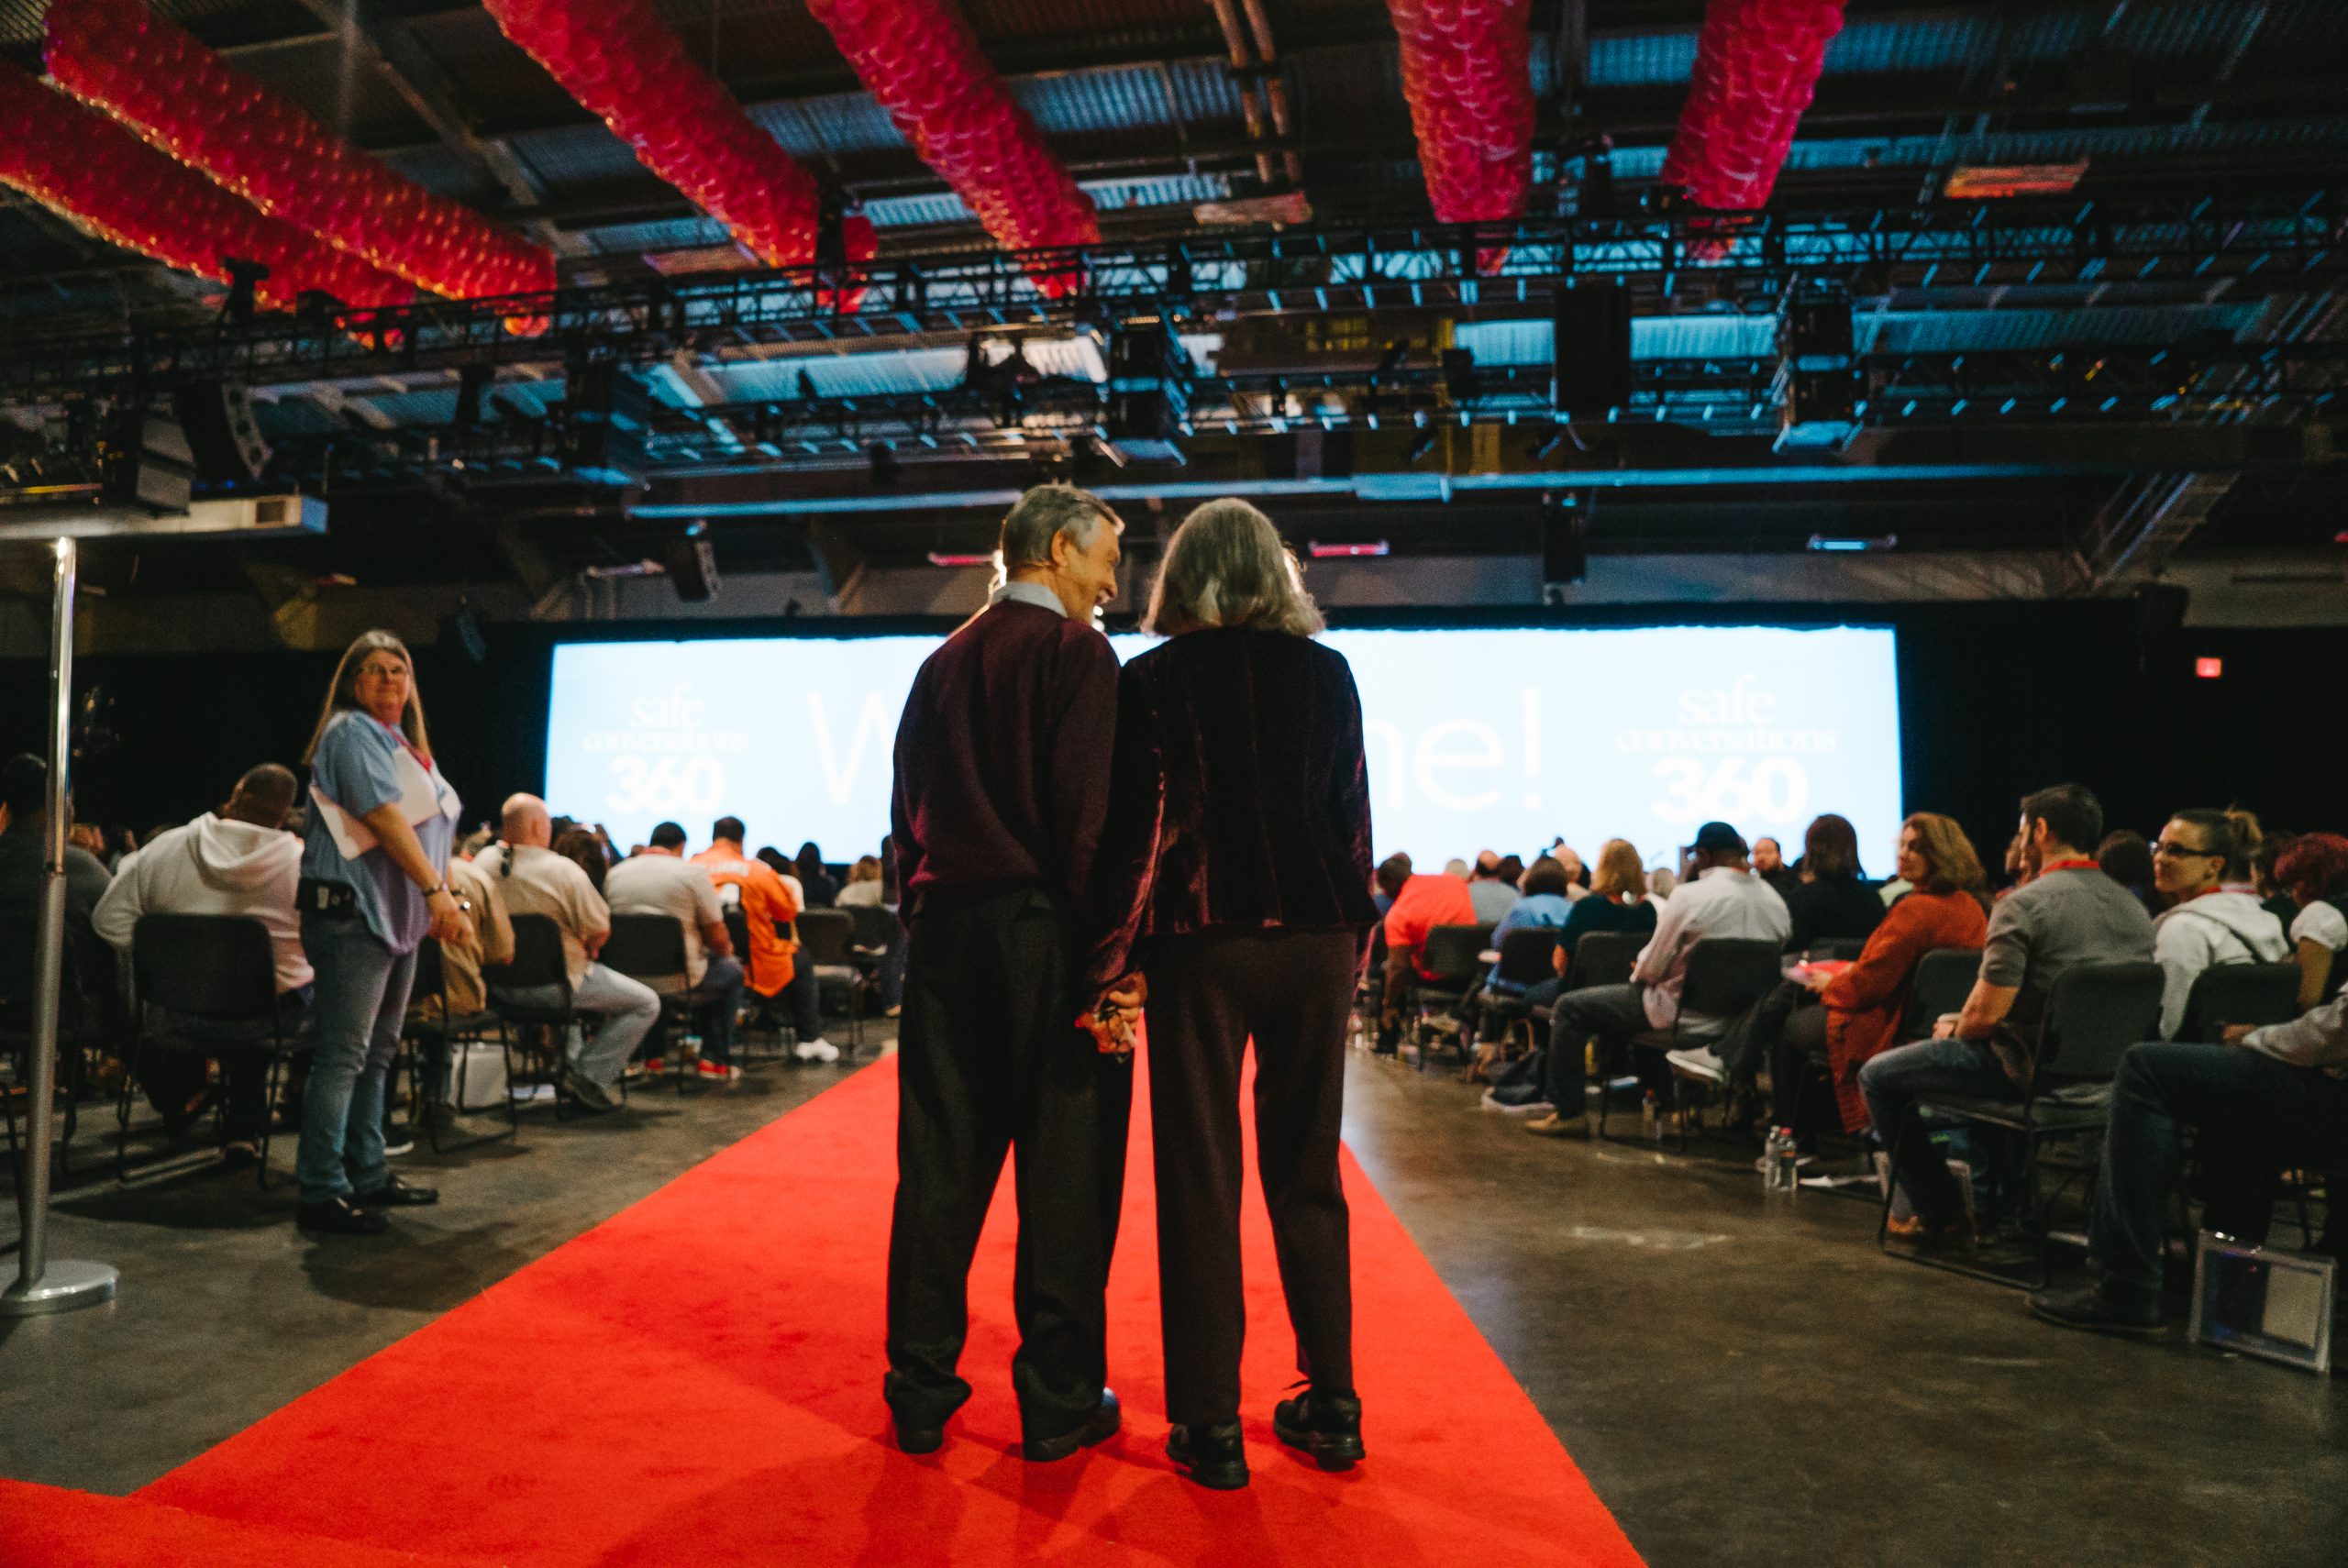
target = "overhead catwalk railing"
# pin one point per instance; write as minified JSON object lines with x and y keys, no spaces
{"x":2134,"y":252}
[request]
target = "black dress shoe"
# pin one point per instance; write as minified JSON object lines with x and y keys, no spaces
{"x":338,"y":1216}
{"x":912,"y":1439}
{"x":1211,"y":1455}
{"x":397,"y":1194}
{"x":1106,"y":1418}
{"x":2093,"y":1308}
{"x":1326,"y":1426}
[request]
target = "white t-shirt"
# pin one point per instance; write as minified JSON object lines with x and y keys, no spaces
{"x":860,"y":895}
{"x":2319,"y":921}
{"x":543,"y":882}
{"x":668,"y":884}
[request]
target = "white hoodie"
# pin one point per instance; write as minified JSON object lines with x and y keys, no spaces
{"x":213,"y":865}
{"x":2215,"y":928}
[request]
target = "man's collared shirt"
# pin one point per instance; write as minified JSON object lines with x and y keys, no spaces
{"x":1033,"y":593}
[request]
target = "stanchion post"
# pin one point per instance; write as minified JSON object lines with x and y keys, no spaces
{"x":43,"y":1285}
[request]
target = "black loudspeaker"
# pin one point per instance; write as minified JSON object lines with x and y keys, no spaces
{"x":1590,"y":377}
{"x":223,"y":439}
{"x":1565,"y":542}
{"x":2160,"y":614}
{"x":692,"y":566}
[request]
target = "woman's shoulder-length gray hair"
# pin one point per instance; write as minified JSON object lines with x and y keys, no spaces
{"x":1227,"y":566}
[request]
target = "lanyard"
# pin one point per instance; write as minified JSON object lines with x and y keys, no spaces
{"x":2081,"y":863}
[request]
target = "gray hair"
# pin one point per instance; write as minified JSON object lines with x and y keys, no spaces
{"x":1227,"y":566}
{"x":1041,"y":515}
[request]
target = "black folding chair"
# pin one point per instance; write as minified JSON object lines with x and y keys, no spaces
{"x":205,"y":986}
{"x":1605,"y":959}
{"x":827,"y":941}
{"x":2095,"y":1013}
{"x":17,"y":985}
{"x":651,"y":948}
{"x":2239,"y":993}
{"x":877,"y":930}
{"x":1524,"y":961}
{"x":537,"y":966}
{"x":1450,"y":965}
{"x":1726,"y":976}
{"x":442,"y":1060}
{"x":1944,"y":980}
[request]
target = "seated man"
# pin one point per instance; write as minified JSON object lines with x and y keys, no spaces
{"x":1419,"y":905}
{"x":1722,"y":898}
{"x":770,"y":902}
{"x":1490,"y":892}
{"x":536,"y":881}
{"x":2267,"y":1099}
{"x":661,"y":881}
{"x":238,"y":861}
{"x":488,"y":939}
{"x":2066,"y":912}
{"x":2197,"y":855}
{"x":23,"y":811}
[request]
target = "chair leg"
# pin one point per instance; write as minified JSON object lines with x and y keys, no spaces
{"x":122,"y":1114}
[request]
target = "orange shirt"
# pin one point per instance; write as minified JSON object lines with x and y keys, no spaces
{"x":764,"y":899}
{"x":1425,"y":902}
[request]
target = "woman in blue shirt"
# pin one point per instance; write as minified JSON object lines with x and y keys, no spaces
{"x":1544,"y":903}
{"x":374,"y":856}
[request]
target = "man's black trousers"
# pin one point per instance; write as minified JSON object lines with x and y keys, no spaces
{"x":989,"y":1060}
{"x":1209,"y":994}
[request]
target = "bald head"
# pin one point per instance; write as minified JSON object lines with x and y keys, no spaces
{"x":525,"y":819}
{"x":263,"y":796}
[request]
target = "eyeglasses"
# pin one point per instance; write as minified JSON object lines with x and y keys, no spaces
{"x":2186,"y":852}
{"x":383,"y":671}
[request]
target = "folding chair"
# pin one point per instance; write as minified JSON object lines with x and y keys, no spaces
{"x":17,"y":988}
{"x":442,"y":1061}
{"x":1726,"y":976}
{"x":538,"y":965}
{"x":2094,"y":1014}
{"x":827,"y":940}
{"x":1523,"y":961}
{"x":2239,"y":993}
{"x":1451,"y":964}
{"x":206,"y":985}
{"x":651,"y":948}
{"x":1944,"y":978}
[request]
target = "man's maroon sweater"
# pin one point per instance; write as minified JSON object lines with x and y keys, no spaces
{"x":1002,"y":757}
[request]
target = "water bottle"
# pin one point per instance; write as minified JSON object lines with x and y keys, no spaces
{"x":1651,"y":1117}
{"x":1789,"y":1161}
{"x":1771,"y":1152}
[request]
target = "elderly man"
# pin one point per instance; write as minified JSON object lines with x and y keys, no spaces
{"x":537,"y":881}
{"x":238,"y":861}
{"x":661,"y":881}
{"x":1002,"y":784}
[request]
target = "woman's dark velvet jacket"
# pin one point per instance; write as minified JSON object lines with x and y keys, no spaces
{"x":1239,"y":798}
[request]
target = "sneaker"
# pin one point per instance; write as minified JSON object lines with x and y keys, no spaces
{"x":1801,"y":1161}
{"x":1700,"y":1062}
{"x":590,"y":1094}
{"x":1923,"y":1233}
{"x":719,"y":1072}
{"x":1511,"y":1108}
{"x":1556,"y":1126}
{"x":816,"y":1050}
{"x":637,"y":1070}
{"x":2100,"y":1311}
{"x":651,"y":1067}
{"x":404,"y":1145}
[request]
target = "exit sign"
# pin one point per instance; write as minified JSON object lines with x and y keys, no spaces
{"x":2210,"y":668}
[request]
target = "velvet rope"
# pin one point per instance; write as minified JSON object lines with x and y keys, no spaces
{"x":921,"y":61}
{"x":629,"y":68}
{"x":79,"y":163}
{"x":1467,"y":78}
{"x":153,"y":76}
{"x":1757,"y":67}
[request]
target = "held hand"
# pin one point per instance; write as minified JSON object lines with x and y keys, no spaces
{"x":1128,"y":994}
{"x":447,"y":921}
{"x":1818,"y":982}
{"x":2236,"y":1034}
{"x":1946,"y":1027}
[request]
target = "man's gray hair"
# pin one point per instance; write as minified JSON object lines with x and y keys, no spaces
{"x":1043,"y":513}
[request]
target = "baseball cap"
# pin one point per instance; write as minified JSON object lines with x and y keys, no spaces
{"x":1719,"y":837}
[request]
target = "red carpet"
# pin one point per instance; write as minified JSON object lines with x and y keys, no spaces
{"x":43,"y":1526}
{"x":697,"y":1380}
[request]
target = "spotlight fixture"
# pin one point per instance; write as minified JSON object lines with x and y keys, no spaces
{"x":1420,"y":448}
{"x":1321,"y":550}
{"x":1830,"y":543}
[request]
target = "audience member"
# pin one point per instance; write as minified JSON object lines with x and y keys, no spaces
{"x":823,"y":888}
{"x":1863,"y":1004}
{"x":2313,"y":870}
{"x":537,"y":881}
{"x":1616,"y":899}
{"x":2019,"y":867}
{"x":1725,"y":899}
{"x":581,"y":847}
{"x":1662,"y":882}
{"x":2271,"y":891}
{"x":1542,"y":903}
{"x":485,"y":940}
{"x":1577,"y":874}
{"x":1769,"y":864}
{"x":773,"y":860}
{"x":661,"y":881}
{"x":121,"y":843}
{"x":2265,"y":1101}
{"x":1829,"y":900}
{"x":90,"y":837}
{"x":23,"y":792}
{"x":862,"y":889}
{"x":237,"y":862}
{"x":1513,"y":871}
{"x":2127,"y":858}
{"x":770,"y":906}
{"x":1417,"y":905}
{"x":1456,"y":869}
{"x":1488,"y":893}
{"x":2070,"y":912}
{"x":2201,"y":873}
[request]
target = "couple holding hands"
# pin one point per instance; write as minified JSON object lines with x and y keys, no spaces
{"x":1186,"y":840}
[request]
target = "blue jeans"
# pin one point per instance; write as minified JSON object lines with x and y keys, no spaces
{"x":1893,"y":1083}
{"x":2252,"y":1116}
{"x":720,"y":992}
{"x":361,"y":1002}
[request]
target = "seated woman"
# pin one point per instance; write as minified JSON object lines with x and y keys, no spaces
{"x":2314,"y":871}
{"x":1544,"y":904}
{"x":1830,"y":902}
{"x":1866,"y":1003}
{"x":1617,"y":900}
{"x":863,"y":885}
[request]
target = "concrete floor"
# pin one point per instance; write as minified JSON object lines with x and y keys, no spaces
{"x":1744,"y":1379}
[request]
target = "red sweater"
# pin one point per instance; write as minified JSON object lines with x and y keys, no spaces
{"x":1866,"y":1003}
{"x":1002,"y":757}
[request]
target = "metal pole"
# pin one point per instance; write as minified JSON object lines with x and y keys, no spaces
{"x":42,"y":1286}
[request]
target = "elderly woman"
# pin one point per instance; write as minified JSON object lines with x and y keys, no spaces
{"x":374,"y":853}
{"x":1234,"y":873}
